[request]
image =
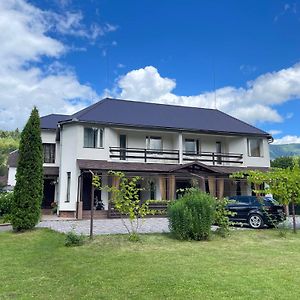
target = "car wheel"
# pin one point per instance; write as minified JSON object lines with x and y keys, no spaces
{"x":255,"y":221}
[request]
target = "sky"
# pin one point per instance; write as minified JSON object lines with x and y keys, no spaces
{"x":241,"y":57}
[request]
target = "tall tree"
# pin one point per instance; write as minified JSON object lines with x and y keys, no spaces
{"x":28,"y":192}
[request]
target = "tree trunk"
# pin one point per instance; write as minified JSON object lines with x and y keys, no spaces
{"x":286,"y":209}
{"x":294,"y":216}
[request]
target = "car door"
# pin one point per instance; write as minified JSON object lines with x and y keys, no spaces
{"x":240,"y":206}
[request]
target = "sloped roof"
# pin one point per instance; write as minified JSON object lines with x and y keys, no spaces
{"x":50,"y":121}
{"x":160,"y":116}
{"x":89,"y":164}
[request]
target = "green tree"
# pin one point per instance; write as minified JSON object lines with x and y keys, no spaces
{"x":281,"y":183}
{"x":283,"y":162}
{"x":125,"y":197}
{"x":28,"y":192}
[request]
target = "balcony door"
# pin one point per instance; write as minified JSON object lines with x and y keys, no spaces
{"x":219,"y":151}
{"x":123,"y":145}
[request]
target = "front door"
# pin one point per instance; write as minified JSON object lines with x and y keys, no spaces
{"x":123,"y":147}
{"x":49,"y":193}
{"x":87,"y":192}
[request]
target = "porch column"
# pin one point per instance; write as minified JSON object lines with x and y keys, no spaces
{"x":201,"y":182}
{"x":162,"y":187}
{"x":220,"y":182}
{"x":171,"y":191}
{"x":212,"y":185}
{"x":115,"y":184}
{"x":104,"y":194}
{"x":180,"y":148}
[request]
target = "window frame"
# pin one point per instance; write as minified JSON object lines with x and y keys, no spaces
{"x":100,"y":137}
{"x":53,"y":146}
{"x":68,"y":187}
{"x":148,"y":142}
{"x":260,"y":147}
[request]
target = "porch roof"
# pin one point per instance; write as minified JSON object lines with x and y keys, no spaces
{"x":159,"y":168}
{"x":51,"y":171}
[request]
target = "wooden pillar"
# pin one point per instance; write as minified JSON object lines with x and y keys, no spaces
{"x":220,"y":182}
{"x":212,"y":185}
{"x":171,"y":190}
{"x":162,"y":187}
{"x":201,"y":183}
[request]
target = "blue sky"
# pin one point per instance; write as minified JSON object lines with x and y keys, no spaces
{"x":68,"y":54}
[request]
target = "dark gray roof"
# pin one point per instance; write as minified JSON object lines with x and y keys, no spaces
{"x":144,"y":114}
{"x":153,"y":115}
{"x":50,"y":121}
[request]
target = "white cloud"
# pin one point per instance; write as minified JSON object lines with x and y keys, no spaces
{"x":253,"y":104}
{"x":288,"y":139}
{"x":24,"y":40}
{"x":275,"y":132}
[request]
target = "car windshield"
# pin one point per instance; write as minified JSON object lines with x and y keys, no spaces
{"x":270,"y":201}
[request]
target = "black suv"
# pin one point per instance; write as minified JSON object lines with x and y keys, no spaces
{"x":256,"y":211}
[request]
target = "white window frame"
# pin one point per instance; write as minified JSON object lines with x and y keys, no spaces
{"x":100,"y":137}
{"x":148,"y":142}
{"x":260,"y":145}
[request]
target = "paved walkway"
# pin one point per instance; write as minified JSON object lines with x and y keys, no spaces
{"x":106,"y":226}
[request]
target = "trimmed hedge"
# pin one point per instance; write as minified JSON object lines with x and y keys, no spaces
{"x":191,"y":217}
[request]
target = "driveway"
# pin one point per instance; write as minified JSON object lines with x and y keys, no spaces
{"x":106,"y":226}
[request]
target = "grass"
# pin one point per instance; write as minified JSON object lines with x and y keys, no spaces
{"x":247,"y":265}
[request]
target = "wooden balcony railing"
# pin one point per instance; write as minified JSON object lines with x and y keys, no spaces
{"x":214,"y":157}
{"x":143,"y":154}
{"x":146,"y":155}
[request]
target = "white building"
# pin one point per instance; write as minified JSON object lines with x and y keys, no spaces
{"x":171,"y":147}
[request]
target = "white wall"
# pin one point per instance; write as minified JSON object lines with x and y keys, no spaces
{"x":11,"y":179}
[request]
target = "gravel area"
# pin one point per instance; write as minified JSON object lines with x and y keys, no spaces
{"x":106,"y":226}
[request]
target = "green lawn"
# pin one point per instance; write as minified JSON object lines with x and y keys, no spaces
{"x":247,"y":265}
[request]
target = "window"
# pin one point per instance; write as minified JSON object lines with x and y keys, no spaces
{"x":93,"y":137}
{"x":190,"y":146}
{"x":154,"y":143}
{"x":49,"y":153}
{"x":152,"y":190}
{"x":254,"y":147}
{"x":68,"y":186}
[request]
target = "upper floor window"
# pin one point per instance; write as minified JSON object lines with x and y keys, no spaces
{"x":154,"y":143}
{"x":192,"y":146}
{"x":93,"y":137}
{"x":254,"y":147}
{"x":49,"y":153}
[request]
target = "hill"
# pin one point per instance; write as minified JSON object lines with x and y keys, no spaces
{"x":284,"y":150}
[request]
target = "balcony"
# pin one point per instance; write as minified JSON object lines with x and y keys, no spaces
{"x":173,"y":156}
{"x":214,"y":157}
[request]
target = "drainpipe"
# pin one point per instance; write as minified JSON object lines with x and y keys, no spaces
{"x":180,"y":147}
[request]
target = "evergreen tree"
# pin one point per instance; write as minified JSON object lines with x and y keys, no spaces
{"x":28,"y":192}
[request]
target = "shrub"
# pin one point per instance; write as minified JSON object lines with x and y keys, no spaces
{"x":222,"y":215}
{"x":28,"y":192}
{"x":191,"y":217}
{"x":6,"y":200}
{"x":73,"y":239}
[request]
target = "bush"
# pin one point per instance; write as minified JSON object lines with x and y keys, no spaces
{"x":222,"y":217}
{"x":191,"y":217}
{"x":73,"y":239}
{"x":6,"y":199}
